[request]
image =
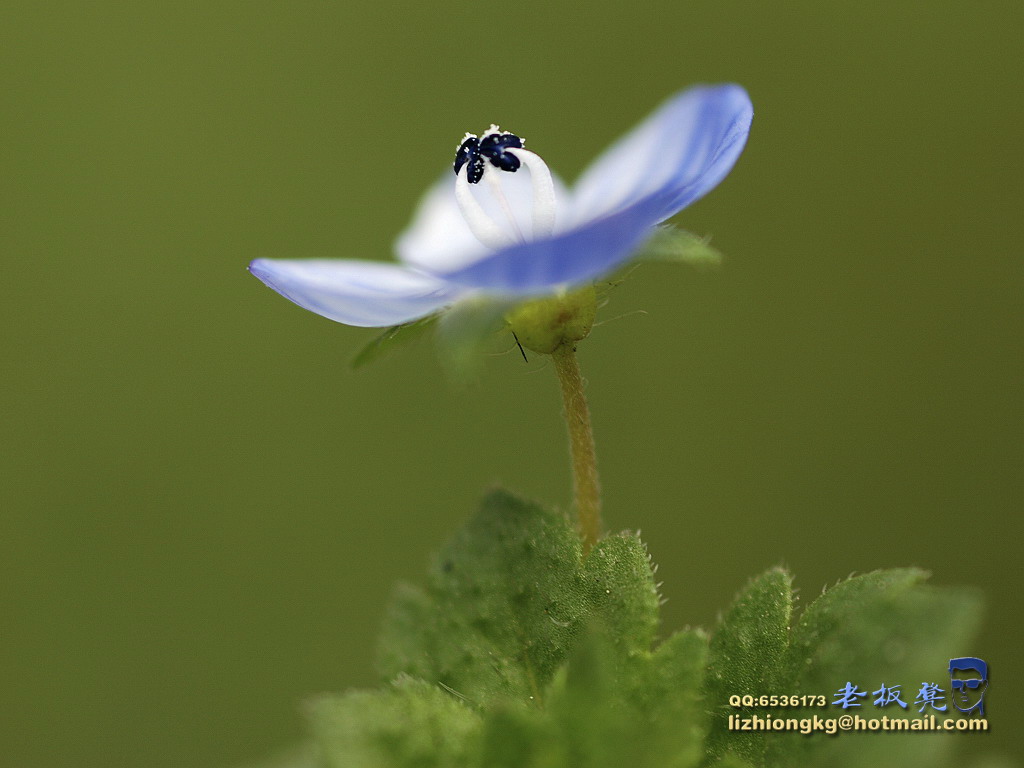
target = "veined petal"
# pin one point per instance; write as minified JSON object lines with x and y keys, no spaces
{"x":568,"y":259}
{"x":364,"y":293}
{"x":673,"y":158}
{"x":438,"y":238}
{"x":679,"y":153}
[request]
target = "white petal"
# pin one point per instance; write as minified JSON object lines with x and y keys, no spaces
{"x":363,"y":293}
{"x":679,"y":153}
{"x":438,"y":238}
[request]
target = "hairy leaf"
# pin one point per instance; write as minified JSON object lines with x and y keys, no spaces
{"x":409,"y":723}
{"x":747,"y":652}
{"x":885,"y":627}
{"x":521,"y":653}
{"x":506,"y":599}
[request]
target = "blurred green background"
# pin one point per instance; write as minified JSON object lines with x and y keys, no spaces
{"x":202,"y":510}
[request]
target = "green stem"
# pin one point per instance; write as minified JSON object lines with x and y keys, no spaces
{"x":586,"y":486}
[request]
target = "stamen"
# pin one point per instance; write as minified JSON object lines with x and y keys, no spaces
{"x":480,"y":224}
{"x":498,"y":150}
{"x":543,"y":191}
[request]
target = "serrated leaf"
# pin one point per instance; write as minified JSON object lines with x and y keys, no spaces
{"x":671,"y":700}
{"x":391,"y":339}
{"x":669,"y":243}
{"x":747,"y":653}
{"x":622,"y":593}
{"x":514,"y":737}
{"x":410,"y":724}
{"x":886,"y":627}
{"x":506,"y":599}
{"x":640,"y":710}
{"x":608,"y":709}
{"x":503,"y":601}
{"x":527,"y":655}
{"x":596,"y":725}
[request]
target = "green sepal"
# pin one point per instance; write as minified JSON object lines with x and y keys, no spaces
{"x":391,"y":339}
{"x":543,"y":325}
{"x":467,"y":332}
{"x":671,"y":244}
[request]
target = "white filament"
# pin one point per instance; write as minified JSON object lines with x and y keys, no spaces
{"x":480,"y":224}
{"x":491,"y":174}
{"x":543,"y":192}
{"x":487,"y":230}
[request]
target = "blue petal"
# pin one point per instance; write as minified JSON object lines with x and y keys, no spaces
{"x":438,"y":239}
{"x":363,"y":293}
{"x":673,"y":158}
{"x":680,"y":153}
{"x":572,"y":258}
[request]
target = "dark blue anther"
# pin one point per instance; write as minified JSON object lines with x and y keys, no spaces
{"x":493,"y":146}
{"x":469,"y":152}
{"x":474,"y":152}
{"x":506,"y":161}
{"x":493,"y":143}
{"x":475,"y":169}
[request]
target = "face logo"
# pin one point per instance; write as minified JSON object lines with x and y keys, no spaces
{"x":968,"y":681}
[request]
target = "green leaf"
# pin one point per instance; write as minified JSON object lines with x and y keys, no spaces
{"x":514,"y":737}
{"x":596,"y":726}
{"x":885,"y":627}
{"x":555,"y":649}
{"x":391,"y":339}
{"x":522,"y":653}
{"x":507,"y":598}
{"x":410,"y":724}
{"x":675,"y":675}
{"x":669,"y":243}
{"x":669,"y":704}
{"x":608,"y":708}
{"x":621,"y":594}
{"x":747,"y":653}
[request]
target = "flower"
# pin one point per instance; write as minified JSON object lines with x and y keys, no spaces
{"x":494,"y":230}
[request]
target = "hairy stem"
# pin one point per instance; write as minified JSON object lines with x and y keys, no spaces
{"x":586,"y":486}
